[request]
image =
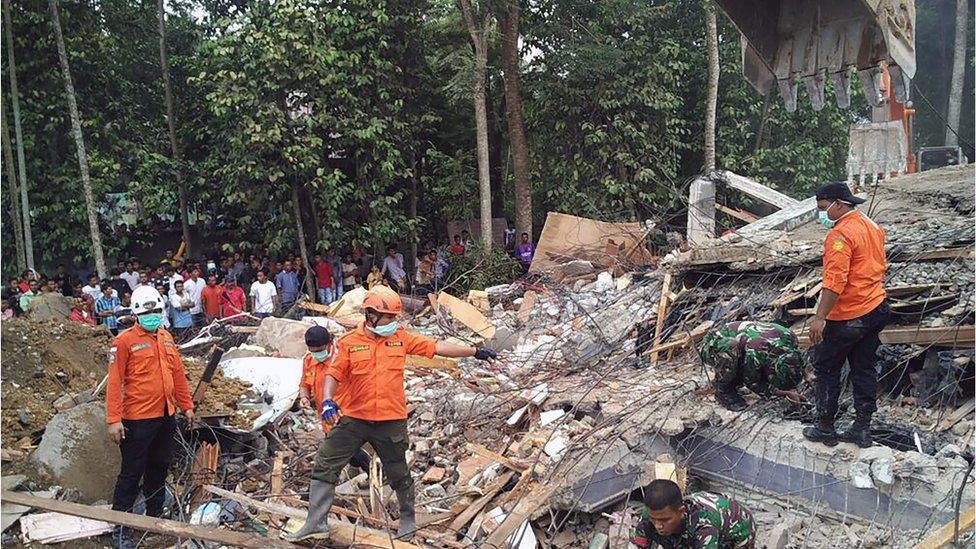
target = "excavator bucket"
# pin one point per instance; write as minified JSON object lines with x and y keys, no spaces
{"x":785,"y":42}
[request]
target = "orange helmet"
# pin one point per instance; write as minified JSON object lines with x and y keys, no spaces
{"x":387,"y":302}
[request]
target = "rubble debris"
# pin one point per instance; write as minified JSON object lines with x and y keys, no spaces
{"x":46,"y":528}
{"x":567,"y":237}
{"x":49,"y":307}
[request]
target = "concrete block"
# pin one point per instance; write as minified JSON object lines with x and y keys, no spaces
{"x":74,"y":451}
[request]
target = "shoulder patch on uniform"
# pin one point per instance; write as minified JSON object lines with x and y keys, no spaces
{"x":394,"y":344}
{"x":111,"y":354}
{"x":837,"y":244}
{"x":138,"y":347}
{"x":169,"y":343}
{"x":357,"y":348}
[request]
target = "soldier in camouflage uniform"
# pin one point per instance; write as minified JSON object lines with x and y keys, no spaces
{"x":702,"y":520}
{"x":763,"y":356}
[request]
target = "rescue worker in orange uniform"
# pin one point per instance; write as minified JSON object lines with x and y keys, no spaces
{"x":852,"y":312}
{"x":322,"y":353}
{"x":146,"y":385}
{"x":369,"y":368}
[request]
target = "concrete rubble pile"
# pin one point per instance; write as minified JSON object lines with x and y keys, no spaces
{"x":594,"y":396}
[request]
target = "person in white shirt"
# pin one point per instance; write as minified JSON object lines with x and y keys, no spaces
{"x":194,"y":286}
{"x":349,"y":273}
{"x":93,"y":289}
{"x":131,"y":276}
{"x":394,"y":271}
{"x":264,"y":296}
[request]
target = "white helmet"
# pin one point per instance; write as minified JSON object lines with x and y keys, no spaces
{"x":146,"y":299}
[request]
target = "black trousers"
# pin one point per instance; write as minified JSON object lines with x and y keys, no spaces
{"x":345,"y":440}
{"x":855,"y":341}
{"x":146,"y":452}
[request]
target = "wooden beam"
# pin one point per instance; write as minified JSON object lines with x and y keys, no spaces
{"x":944,"y":535}
{"x":340,"y":533}
{"x":756,"y":190}
{"x":472,"y":510}
{"x":494,"y":456}
{"x":436,"y":363}
{"x":958,"y":415}
{"x":662,"y":309}
{"x":949,"y":336}
{"x":147,"y":524}
{"x":523,"y":511}
{"x":741,"y":215}
{"x":685,"y":339}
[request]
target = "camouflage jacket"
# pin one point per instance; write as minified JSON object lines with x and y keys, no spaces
{"x":763,"y":355}
{"x":712,"y":521}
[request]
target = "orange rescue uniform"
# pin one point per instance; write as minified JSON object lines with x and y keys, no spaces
{"x":854,"y":265}
{"x":370,"y":372}
{"x":145,"y":377}
{"x":313,"y":378}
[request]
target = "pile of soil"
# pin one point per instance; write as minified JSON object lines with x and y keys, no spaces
{"x":41,"y":362}
{"x":222,"y":395}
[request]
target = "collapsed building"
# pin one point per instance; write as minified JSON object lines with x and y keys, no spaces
{"x":598,"y":391}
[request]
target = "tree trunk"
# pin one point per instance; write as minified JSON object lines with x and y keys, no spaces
{"x":495,"y":147}
{"x":412,"y":215}
{"x":171,"y":123}
{"x":21,"y":164}
{"x":711,"y":39}
{"x":958,"y":74}
{"x":8,"y":159}
{"x":297,"y":207}
{"x":516,"y":125}
{"x":480,"y":43}
{"x":69,"y":91}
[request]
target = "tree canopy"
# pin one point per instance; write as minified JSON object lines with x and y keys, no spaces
{"x":365,"y":109}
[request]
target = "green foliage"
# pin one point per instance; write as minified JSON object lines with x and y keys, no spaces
{"x":478,"y":269}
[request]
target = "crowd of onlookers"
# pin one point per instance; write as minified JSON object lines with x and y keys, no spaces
{"x":196,"y":292}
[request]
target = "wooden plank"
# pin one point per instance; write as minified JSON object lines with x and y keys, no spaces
{"x":814,"y":290}
{"x":809,"y":311}
{"x":757,"y":190}
{"x":472,"y":510}
{"x":276,"y":471}
{"x":436,"y":363}
{"x":944,"y":534}
{"x":662,"y":308}
{"x":525,"y":309}
{"x":147,"y":524}
{"x":466,"y":314}
{"x":522,"y":512}
{"x":341,"y":533}
{"x":494,"y":456}
{"x":691,"y":337}
{"x":741,"y":215}
{"x":958,"y":415}
{"x":950,"y":336}
{"x":207,"y":376}
{"x":912,"y":289}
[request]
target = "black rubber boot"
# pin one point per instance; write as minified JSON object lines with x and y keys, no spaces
{"x":320,"y":496}
{"x":730,"y":399}
{"x":822,"y":432}
{"x":121,"y":538}
{"x":408,"y":522}
{"x":859,"y":432}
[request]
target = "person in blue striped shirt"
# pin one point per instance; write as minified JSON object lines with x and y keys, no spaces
{"x":105,"y":308}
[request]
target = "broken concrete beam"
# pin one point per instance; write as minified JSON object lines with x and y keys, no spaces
{"x":701,"y":211}
{"x":754,"y":189}
{"x":786,"y":219}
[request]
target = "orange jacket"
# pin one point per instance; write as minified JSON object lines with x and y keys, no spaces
{"x":313,"y":378}
{"x":145,"y":376}
{"x":371,"y":371}
{"x":854,"y":265}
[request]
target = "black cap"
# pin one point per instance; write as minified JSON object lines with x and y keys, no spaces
{"x":317,"y":336}
{"x":838,"y":191}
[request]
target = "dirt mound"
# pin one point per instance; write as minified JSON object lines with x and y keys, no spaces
{"x":40,"y":362}
{"x":222,"y":395}
{"x":49,"y":307}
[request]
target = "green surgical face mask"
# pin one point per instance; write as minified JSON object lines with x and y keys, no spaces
{"x":386,"y":330}
{"x":151,"y":321}
{"x":320,"y":356}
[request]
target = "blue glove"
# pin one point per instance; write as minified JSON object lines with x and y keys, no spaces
{"x":329,"y":409}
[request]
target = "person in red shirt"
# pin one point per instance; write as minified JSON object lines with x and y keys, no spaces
{"x":145,"y":388}
{"x":369,"y":369}
{"x":850,"y":315}
{"x":210,"y":298}
{"x":457,"y":248}
{"x":323,"y":280}
{"x":82,"y":311}
{"x":232,"y":298}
